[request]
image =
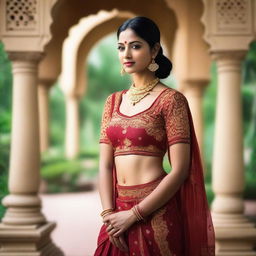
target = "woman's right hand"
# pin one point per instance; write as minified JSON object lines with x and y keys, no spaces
{"x":119,"y":242}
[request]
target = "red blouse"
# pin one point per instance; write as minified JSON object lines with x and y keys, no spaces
{"x":149,"y":132}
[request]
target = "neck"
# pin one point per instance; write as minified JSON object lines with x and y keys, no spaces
{"x":140,"y":80}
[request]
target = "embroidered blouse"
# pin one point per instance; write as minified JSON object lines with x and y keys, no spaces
{"x":150,"y":131}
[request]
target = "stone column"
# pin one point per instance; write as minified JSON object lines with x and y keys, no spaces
{"x":194,"y":91}
{"x":43,"y":100}
{"x":24,"y":230}
{"x":235,"y":235}
{"x":72,"y":126}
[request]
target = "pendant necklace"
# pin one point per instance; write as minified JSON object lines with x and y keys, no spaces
{"x":136,"y":94}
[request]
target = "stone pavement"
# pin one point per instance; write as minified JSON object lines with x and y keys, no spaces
{"x":78,"y":220}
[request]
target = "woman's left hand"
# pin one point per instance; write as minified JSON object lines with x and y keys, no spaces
{"x":119,"y":222}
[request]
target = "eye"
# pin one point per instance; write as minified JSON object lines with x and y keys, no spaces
{"x":120,"y":48}
{"x":136,"y":46}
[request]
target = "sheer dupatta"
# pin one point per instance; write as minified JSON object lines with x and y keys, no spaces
{"x":197,"y":222}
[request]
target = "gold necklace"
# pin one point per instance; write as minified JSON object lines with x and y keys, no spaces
{"x":135,"y":94}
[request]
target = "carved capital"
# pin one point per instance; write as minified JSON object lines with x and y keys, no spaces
{"x":25,"y":25}
{"x":228,"y":55}
{"x":229,"y":61}
{"x":229,"y":24}
{"x":25,"y":56}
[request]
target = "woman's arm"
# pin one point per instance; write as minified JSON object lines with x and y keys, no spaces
{"x":106,"y":188}
{"x":105,"y":175}
{"x":180,"y":159}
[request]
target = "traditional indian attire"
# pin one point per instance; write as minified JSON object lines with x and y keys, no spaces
{"x":183,"y":226}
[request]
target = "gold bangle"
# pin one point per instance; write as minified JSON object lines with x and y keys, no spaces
{"x":136,"y":212}
{"x":139,"y":212}
{"x":103,"y":216}
{"x":106,"y":211}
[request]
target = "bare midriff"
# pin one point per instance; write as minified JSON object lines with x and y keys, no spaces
{"x":138,"y":169}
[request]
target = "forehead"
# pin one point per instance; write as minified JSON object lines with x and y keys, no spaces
{"x":129,"y":35}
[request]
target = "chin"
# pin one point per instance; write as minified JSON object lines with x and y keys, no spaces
{"x":135,"y":71}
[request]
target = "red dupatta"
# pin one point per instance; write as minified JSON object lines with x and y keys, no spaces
{"x":198,"y":227}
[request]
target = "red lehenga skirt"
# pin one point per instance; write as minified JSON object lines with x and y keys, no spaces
{"x":160,"y":234}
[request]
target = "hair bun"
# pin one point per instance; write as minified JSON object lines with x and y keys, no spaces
{"x":165,"y":65}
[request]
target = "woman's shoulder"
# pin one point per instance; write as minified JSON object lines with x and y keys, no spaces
{"x":171,"y":95}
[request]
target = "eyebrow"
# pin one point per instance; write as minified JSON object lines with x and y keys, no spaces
{"x":132,"y":42}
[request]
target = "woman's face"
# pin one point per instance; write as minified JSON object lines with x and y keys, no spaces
{"x":134,"y":52}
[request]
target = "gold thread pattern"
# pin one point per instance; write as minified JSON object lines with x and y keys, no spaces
{"x":150,"y":131}
{"x":159,"y":227}
{"x":106,"y":116}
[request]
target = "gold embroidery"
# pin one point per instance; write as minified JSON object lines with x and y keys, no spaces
{"x":160,"y":232}
{"x":143,"y":121}
{"x":105,"y":120}
{"x":152,"y":125}
{"x":135,"y":193}
{"x":138,"y":192}
{"x":167,"y":123}
{"x":126,"y":148}
{"x":127,"y":143}
{"x":176,"y":116}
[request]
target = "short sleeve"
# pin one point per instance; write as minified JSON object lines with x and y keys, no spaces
{"x":175,"y":112}
{"x":106,"y":116}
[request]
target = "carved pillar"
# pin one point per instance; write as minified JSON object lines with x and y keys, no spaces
{"x":25,"y":30}
{"x":194,"y":91}
{"x":24,"y":230}
{"x":228,"y":30}
{"x":72,"y":126}
{"x":235,"y":234}
{"x":43,"y":100}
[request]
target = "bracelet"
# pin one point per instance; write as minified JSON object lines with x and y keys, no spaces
{"x":137,"y":213}
{"x":105,"y":212}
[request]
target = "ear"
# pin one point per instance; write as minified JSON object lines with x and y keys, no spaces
{"x":155,"y":50}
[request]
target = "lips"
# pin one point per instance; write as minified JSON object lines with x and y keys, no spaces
{"x":129,"y":64}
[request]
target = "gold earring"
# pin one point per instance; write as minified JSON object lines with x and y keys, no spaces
{"x":153,"y":66}
{"x":122,"y":71}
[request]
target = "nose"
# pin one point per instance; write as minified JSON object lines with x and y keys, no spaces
{"x":127,"y":52}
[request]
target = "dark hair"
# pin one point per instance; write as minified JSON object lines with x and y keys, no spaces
{"x":149,"y":31}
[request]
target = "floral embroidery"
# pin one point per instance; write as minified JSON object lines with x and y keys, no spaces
{"x":160,"y":229}
{"x":150,"y":131}
{"x":137,"y":192}
{"x":106,"y":116}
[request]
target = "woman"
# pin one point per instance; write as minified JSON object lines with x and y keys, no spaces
{"x":145,"y":210}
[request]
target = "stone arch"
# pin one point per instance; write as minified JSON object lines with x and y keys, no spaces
{"x":78,"y":44}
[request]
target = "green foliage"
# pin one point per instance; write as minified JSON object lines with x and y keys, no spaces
{"x":55,"y":170}
{"x":5,"y":123}
{"x":3,"y":191}
{"x":249,"y":66}
{"x":63,"y":175}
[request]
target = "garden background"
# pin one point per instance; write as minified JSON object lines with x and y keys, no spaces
{"x":62,"y":175}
